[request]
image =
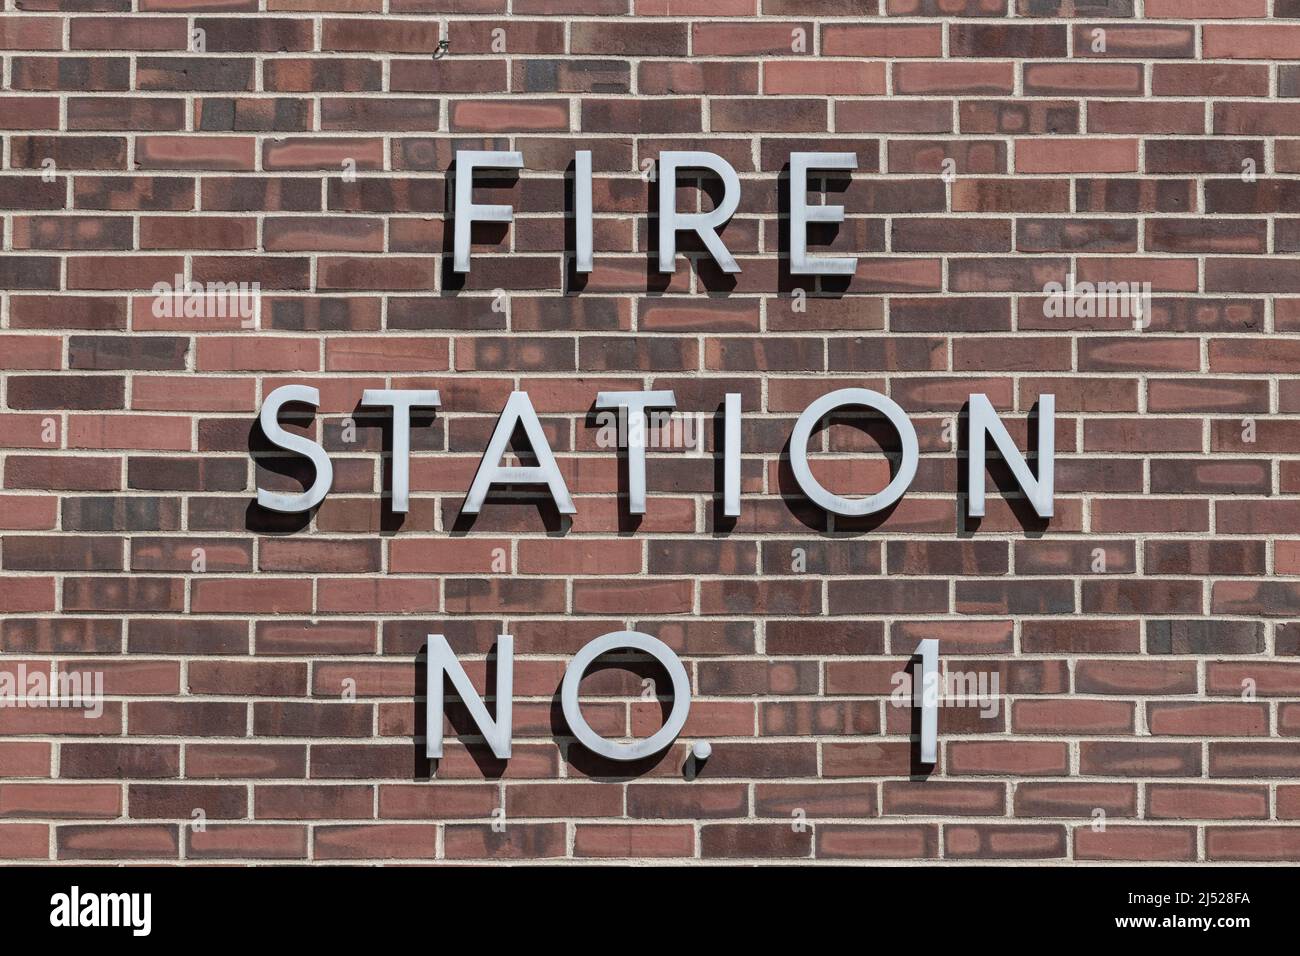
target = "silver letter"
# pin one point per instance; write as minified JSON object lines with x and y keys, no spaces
{"x":401,"y":401}
{"x":984,"y":419}
{"x":582,"y":209}
{"x":280,"y":438}
{"x":799,"y":452}
{"x":925,"y":694}
{"x":635,"y":404}
{"x":467,"y":212}
{"x":443,"y":661}
{"x":705,"y":224}
{"x":573,"y":708}
{"x":731,"y":457}
{"x":518,"y":410}
{"x":801,"y":214}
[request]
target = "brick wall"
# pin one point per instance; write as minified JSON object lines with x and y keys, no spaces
{"x":266,"y":669}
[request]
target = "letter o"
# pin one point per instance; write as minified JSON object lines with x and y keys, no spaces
{"x":820,"y":409}
{"x":573,"y":709}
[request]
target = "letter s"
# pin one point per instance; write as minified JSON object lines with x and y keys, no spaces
{"x":270,"y":420}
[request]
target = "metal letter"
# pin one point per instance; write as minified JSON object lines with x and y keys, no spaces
{"x":731,"y":457}
{"x":819,"y":410}
{"x":443,"y":661}
{"x":518,"y":410}
{"x":573,"y":708}
{"x":467,"y":212}
{"x":582,"y":209}
{"x":983,"y":419}
{"x":277,"y":436}
{"x":704,"y":224}
{"x":925,"y":694}
{"x":801,"y":214}
{"x":635,"y":404}
{"x":401,"y":401}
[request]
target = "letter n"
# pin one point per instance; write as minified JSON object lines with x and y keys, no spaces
{"x":443,"y":661}
{"x":984,"y":421}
